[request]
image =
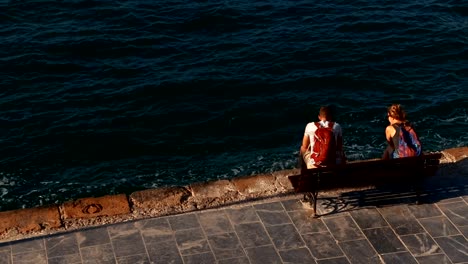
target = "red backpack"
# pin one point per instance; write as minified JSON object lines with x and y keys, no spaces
{"x":324,"y":150}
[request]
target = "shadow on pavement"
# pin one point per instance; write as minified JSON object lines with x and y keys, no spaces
{"x":450,"y":181}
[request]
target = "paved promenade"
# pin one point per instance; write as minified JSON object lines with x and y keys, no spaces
{"x":277,"y":230}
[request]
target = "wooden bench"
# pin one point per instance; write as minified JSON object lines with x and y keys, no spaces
{"x":409,"y":172}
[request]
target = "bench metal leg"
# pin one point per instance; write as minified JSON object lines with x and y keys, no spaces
{"x":314,"y":198}
{"x":418,"y":196}
{"x":311,"y":198}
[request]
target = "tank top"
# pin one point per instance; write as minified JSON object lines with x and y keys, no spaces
{"x":396,"y":140}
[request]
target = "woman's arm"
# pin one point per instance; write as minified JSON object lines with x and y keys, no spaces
{"x":389,"y":133}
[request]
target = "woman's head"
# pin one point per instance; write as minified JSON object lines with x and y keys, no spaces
{"x":397,"y":112}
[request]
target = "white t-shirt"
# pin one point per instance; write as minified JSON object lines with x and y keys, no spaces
{"x":310,"y":131}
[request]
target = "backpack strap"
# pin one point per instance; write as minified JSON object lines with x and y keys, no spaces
{"x":330,"y":124}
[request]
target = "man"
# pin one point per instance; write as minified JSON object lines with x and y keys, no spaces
{"x":322,"y":144}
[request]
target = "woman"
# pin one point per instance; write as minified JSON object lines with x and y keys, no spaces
{"x":400,"y":146}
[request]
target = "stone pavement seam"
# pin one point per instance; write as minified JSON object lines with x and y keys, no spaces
{"x":206,"y":236}
{"x":295,"y":227}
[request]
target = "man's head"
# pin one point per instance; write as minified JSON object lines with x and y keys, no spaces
{"x":325,"y":113}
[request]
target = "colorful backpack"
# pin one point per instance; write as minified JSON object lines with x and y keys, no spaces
{"x":409,"y":144}
{"x":324,"y":150}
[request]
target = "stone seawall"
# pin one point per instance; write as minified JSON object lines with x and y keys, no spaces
{"x":95,"y":211}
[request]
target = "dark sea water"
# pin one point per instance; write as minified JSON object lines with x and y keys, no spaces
{"x":103,"y":97}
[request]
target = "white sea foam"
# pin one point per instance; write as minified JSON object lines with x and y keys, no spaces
{"x":463,"y":118}
{"x":3,"y":192}
{"x":7,"y":181}
{"x":238,"y":170}
{"x":31,"y":192}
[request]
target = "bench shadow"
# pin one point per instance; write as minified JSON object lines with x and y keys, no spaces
{"x":450,"y":181}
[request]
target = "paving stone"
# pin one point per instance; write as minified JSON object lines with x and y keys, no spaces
{"x":98,"y":254}
{"x":27,"y":245}
{"x":340,"y":260}
{"x":215,"y":222}
{"x":6,"y":247}
{"x":164,"y":252}
{"x":5,"y":257}
{"x":294,"y":204}
{"x":343,"y":228}
{"x":252,"y":235}
{"x":420,"y":244}
{"x":305,"y":222}
{"x":434,"y":259}
{"x":206,"y":257}
{"x":456,"y":247}
{"x":322,"y":245}
{"x":439,"y":226}
{"x":183,"y":221}
{"x":262,"y":255}
{"x":225,"y":245}
{"x":424,"y":210}
{"x":242,"y":215}
{"x":126,"y":240}
{"x":33,"y":257}
{"x":191,"y":241}
{"x":329,"y":206}
{"x":465,"y":197}
{"x":93,"y":237}
{"x":401,"y":219}
{"x":446,"y":200}
{"x":69,"y":259}
{"x":285,"y":236}
{"x":243,"y":260}
{"x":274,"y":206}
{"x":368,"y":218}
{"x":464,"y":230}
{"x":62,"y":245}
{"x":296,"y":256}
{"x":360,"y":251}
{"x":155,"y":230}
{"x":273,"y":216}
{"x":398,"y":258}
{"x":457,"y":212}
{"x":134,"y":259}
{"x":384,"y":240}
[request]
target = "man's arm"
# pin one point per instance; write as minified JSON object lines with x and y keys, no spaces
{"x":305,"y":143}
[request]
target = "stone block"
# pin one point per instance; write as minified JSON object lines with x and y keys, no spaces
{"x":213,"y":193}
{"x":28,"y":220}
{"x":159,"y":201}
{"x":91,"y":207}
{"x":454,"y":154}
{"x":282,"y":180}
{"x":257,"y":185}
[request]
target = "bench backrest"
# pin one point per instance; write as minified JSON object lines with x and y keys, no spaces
{"x":367,"y":173}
